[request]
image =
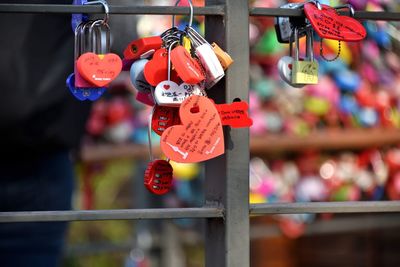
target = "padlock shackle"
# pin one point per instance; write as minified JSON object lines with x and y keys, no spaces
{"x":106,"y":9}
{"x":190,"y":16}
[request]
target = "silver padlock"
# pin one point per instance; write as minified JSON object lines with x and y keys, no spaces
{"x":285,"y":65}
{"x":207,"y":56}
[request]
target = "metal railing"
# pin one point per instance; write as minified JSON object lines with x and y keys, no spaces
{"x":226,"y":208}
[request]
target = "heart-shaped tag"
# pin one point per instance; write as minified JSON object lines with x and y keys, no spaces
{"x":84,"y":93}
{"x":168,"y":93}
{"x":330,"y":25}
{"x":188,"y":69}
{"x":99,"y":70}
{"x":158,"y":177}
{"x":200,"y":137}
{"x":137,"y":76}
{"x":156,"y":70}
{"x":164,"y":117}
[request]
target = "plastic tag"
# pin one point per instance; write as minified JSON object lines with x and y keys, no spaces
{"x":235,"y":115}
{"x":330,"y":25}
{"x":200,"y":137}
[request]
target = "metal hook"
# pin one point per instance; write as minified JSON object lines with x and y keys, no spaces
{"x":191,"y":13}
{"x":106,"y":9}
{"x":169,"y":59}
{"x":349,"y":6}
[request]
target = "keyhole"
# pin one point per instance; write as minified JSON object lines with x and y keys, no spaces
{"x":195,"y":109}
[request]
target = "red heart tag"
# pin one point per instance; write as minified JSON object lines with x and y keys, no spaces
{"x":330,"y":25}
{"x":158,"y":177}
{"x":163,"y":118}
{"x":188,"y":69}
{"x":99,"y":70}
{"x":235,"y":114}
{"x":200,"y":137}
{"x":156,"y":70}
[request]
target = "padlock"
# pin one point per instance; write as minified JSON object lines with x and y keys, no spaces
{"x":137,"y":76}
{"x":305,"y":71}
{"x":99,"y":67}
{"x":223,"y":57}
{"x":207,"y":56}
{"x":188,"y":69}
{"x":164,"y":117}
{"x":285,"y":65}
{"x":284,"y":25}
{"x":137,"y":48}
{"x":158,"y":177}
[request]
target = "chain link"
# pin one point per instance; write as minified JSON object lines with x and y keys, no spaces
{"x":321,"y":52}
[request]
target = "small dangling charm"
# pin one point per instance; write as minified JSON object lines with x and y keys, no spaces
{"x":321,"y":52}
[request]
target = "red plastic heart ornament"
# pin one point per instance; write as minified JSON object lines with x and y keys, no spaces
{"x":156,"y":70}
{"x":99,"y":70}
{"x":200,"y":137}
{"x":158,"y":177}
{"x":163,"y":118}
{"x":330,"y":25}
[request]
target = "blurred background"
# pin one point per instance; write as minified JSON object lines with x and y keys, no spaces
{"x":334,"y":141}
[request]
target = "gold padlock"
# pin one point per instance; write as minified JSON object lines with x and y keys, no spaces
{"x":304,"y":71}
{"x":223,"y":57}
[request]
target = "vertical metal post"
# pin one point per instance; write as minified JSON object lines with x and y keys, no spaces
{"x":227,"y":177}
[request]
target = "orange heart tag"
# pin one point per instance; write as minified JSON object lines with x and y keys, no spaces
{"x":99,"y":70}
{"x":200,"y":137}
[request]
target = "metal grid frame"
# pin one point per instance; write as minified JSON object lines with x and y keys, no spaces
{"x":226,"y":208}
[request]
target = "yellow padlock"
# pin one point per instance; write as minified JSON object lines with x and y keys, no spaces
{"x":187,"y":44}
{"x":223,"y":57}
{"x":304,"y":71}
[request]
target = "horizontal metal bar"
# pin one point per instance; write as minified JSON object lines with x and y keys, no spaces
{"x":336,"y":225}
{"x":92,"y":9}
{"x":325,"y":207}
{"x":122,"y":214}
{"x":285,"y":12}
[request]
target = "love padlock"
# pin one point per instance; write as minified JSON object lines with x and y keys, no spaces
{"x":97,"y":67}
{"x":143,"y":46}
{"x":137,"y":76}
{"x":305,"y":71}
{"x":156,"y":69}
{"x":164,"y":117}
{"x":158,"y":177}
{"x":207,"y":57}
{"x":188,"y":69}
{"x":169,"y":93}
{"x":223,"y":57}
